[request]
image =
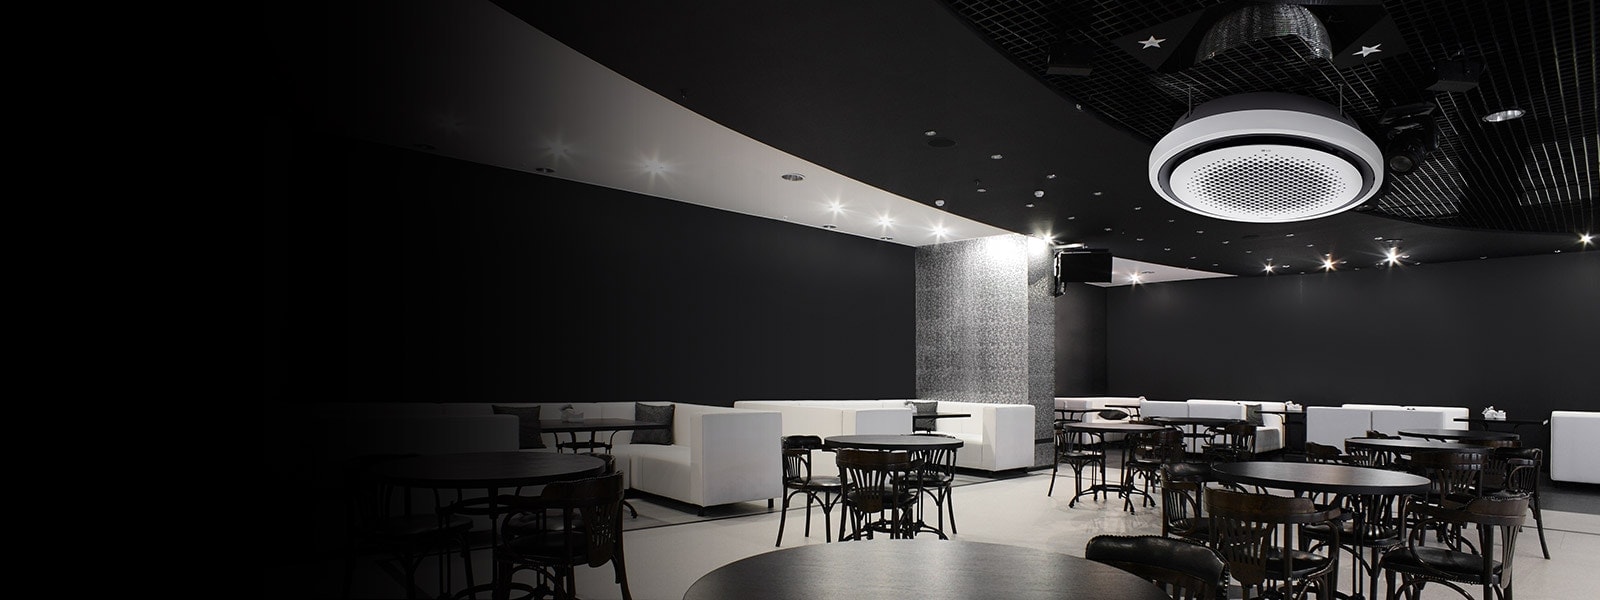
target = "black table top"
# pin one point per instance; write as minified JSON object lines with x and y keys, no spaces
{"x":1320,"y":477}
{"x":475,"y":470}
{"x":892,"y":442}
{"x":597,"y":424}
{"x":943,"y":416}
{"x":922,"y":568}
{"x":1459,"y":434}
{"x":1113,"y":427}
{"x":1405,"y":445}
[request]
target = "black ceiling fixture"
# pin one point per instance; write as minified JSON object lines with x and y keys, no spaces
{"x":1155,"y":63}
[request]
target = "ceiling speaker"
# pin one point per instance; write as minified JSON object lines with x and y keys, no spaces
{"x":1266,"y":157}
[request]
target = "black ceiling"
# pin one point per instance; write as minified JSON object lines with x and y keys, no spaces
{"x":854,"y":86}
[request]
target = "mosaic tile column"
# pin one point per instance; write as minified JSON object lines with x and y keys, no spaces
{"x":986,"y":326}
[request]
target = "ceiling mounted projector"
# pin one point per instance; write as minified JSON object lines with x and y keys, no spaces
{"x":1266,"y":157}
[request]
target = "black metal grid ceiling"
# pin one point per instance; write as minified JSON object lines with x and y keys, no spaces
{"x":1534,"y":174}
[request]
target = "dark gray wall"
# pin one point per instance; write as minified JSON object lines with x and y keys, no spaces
{"x":1522,"y":334}
{"x":1080,"y":341}
{"x":395,"y":275}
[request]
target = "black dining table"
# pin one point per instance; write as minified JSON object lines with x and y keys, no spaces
{"x":1195,"y":425}
{"x":925,"y":569}
{"x":908,"y":442}
{"x":491,"y":472}
{"x":1369,"y":490}
{"x":1125,"y":488}
{"x":1459,"y":435}
{"x":592,"y":427}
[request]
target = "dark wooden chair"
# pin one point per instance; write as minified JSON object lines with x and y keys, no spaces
{"x":1183,"y":570}
{"x":1255,"y":534}
{"x":388,"y":521}
{"x":1151,"y":451}
{"x":1183,"y":507}
{"x":798,"y":480}
{"x":1073,"y":449}
{"x":935,"y":480}
{"x":1323,"y":453}
{"x":1486,"y":561}
{"x":590,"y":533}
{"x":879,"y":492}
{"x":1231,"y":443}
{"x":1516,"y":470}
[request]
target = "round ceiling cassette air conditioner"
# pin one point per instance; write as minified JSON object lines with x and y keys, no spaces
{"x":1266,"y":157}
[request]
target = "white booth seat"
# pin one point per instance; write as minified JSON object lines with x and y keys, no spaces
{"x":1572,"y":446}
{"x":1332,"y":425}
{"x":1163,"y":408}
{"x":1096,"y":404}
{"x":823,"y":418}
{"x":718,"y":455}
{"x":997,"y":437}
{"x":1271,"y":434}
{"x":1392,"y":420}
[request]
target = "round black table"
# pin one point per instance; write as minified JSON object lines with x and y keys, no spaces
{"x":1370,"y":489}
{"x":924,"y":569}
{"x":1195,"y":425}
{"x":1459,"y":434}
{"x":891,"y":442}
{"x":489,"y":471}
{"x":1124,"y":489}
{"x":1393,"y":448}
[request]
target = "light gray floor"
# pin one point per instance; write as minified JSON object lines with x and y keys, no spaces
{"x":668,"y":548}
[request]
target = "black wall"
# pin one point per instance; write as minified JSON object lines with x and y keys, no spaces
{"x":395,"y":275}
{"x":1522,"y":334}
{"x":1080,"y":341}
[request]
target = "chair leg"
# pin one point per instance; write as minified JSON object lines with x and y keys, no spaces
{"x":1052,"y":489}
{"x":1538,"y":521}
{"x":950,"y":505}
{"x":783,"y":516}
{"x":621,"y":567}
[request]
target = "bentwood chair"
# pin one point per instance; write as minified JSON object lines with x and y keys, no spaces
{"x":935,"y":480}
{"x":879,"y":492}
{"x":1151,"y":451}
{"x":1516,"y":470}
{"x":590,"y":533}
{"x":1183,"y":570}
{"x":1073,"y":449}
{"x":798,"y":480}
{"x":1231,"y":443}
{"x":1255,"y":534}
{"x":1183,"y":506}
{"x":1486,"y":562}
{"x":390,"y":521}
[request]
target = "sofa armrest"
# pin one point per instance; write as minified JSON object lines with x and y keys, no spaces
{"x":1572,"y":435}
{"x":734,"y":456}
{"x":1008,"y":429}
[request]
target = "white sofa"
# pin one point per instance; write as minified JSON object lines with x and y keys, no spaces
{"x":997,"y":437}
{"x":1271,"y":435}
{"x":824,"y":418}
{"x":1333,"y":425}
{"x":1572,"y":442}
{"x":718,"y":455}
{"x":1096,"y":404}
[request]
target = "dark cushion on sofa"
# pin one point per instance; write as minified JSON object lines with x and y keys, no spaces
{"x":923,"y":408}
{"x":528,"y":431}
{"x":653,"y":413}
{"x":1252,"y":414}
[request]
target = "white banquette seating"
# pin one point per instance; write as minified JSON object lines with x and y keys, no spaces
{"x":1332,"y":425}
{"x":718,"y":455}
{"x":997,"y":437}
{"x":1094,"y":404}
{"x":1572,"y":441}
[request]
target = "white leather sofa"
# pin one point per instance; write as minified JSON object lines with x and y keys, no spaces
{"x":1271,"y":435}
{"x":1094,"y":403}
{"x":824,"y":418}
{"x":1572,"y":446}
{"x":997,"y":437}
{"x":718,"y":455}
{"x":1333,"y":425}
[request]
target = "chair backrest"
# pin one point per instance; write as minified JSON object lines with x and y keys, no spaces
{"x":938,"y":464}
{"x":1518,"y":468}
{"x":591,"y":514}
{"x":1364,"y":456}
{"x":1183,"y":508}
{"x":1451,"y":474}
{"x":1160,"y":446}
{"x":1379,"y":435}
{"x":1239,"y":437}
{"x":1498,"y":518}
{"x":875,"y":480}
{"x":797,"y":457}
{"x":1183,"y":570}
{"x":1067,"y":439}
{"x":1251,"y":530}
{"x":1506,"y":443}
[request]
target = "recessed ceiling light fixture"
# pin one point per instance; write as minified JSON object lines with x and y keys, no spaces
{"x":544,"y":170}
{"x":1500,"y":116}
{"x":1585,"y":238}
{"x":997,"y":156}
{"x":1266,"y":157}
{"x":793,"y":177}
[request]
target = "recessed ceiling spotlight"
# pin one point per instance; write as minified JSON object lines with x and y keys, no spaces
{"x":1199,"y":231}
{"x":1072,"y":218}
{"x":1269,"y":267}
{"x":830,"y":226}
{"x":793,"y":177}
{"x":1108,"y":229}
{"x":1050,"y":176}
{"x":886,"y":221}
{"x":1098,"y":193}
{"x":1133,"y":278}
{"x":1138,"y":208}
{"x":930,"y":133}
{"x":886,"y":238}
{"x":997,"y":156}
{"x":1138,"y":239}
{"x":1327,"y":263}
{"x":940,"y":232}
{"x":1288,"y":235}
{"x":938,"y":202}
{"x":1075,"y":245}
{"x":1029,"y":205}
{"x":1038,"y":193}
{"x":1586,"y":239}
{"x":982,"y":190}
{"x":1311,"y":245}
{"x":544,"y":170}
{"x":1504,"y":115}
